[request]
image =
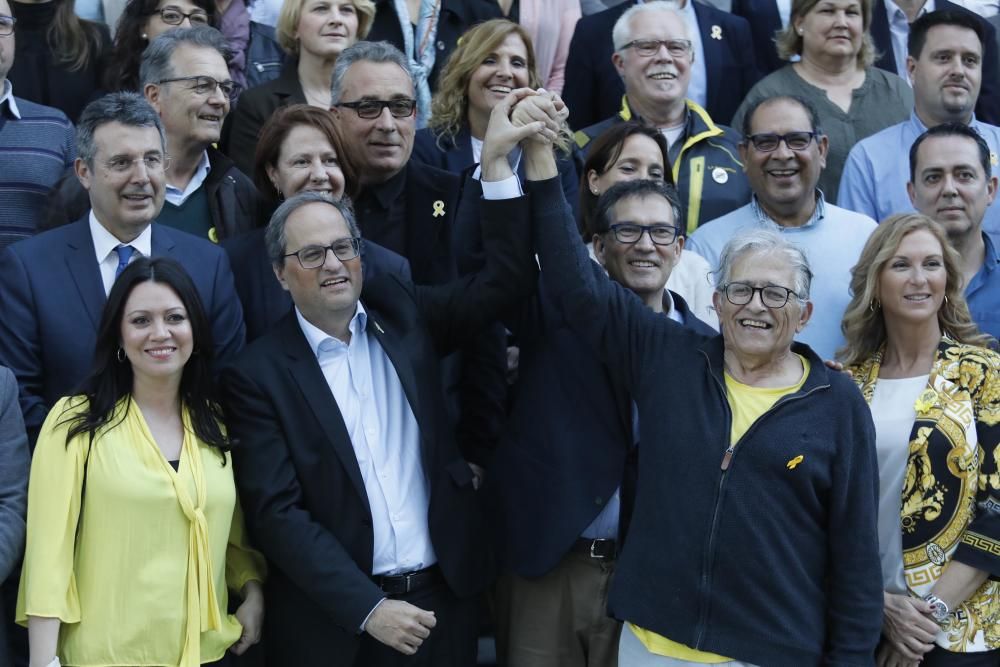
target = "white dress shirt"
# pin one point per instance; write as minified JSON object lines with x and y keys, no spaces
{"x":698,"y":84}
{"x":104,"y":249}
{"x":899,"y":29}
{"x":8,"y":97}
{"x":176,"y":196}
{"x":386,"y":441}
{"x":985,"y":8}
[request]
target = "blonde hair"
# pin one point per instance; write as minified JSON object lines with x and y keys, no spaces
{"x":291,"y":12}
{"x":450,"y":105}
{"x":789,"y":42}
{"x":864,"y":324}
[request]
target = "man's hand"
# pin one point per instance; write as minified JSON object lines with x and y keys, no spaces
{"x":502,"y":136}
{"x":400,"y":625}
{"x":543,"y":107}
{"x":250,"y":614}
{"x":907,"y":625}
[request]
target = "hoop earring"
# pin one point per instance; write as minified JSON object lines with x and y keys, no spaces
{"x":946,"y":299}
{"x":120,"y":355}
{"x":874,"y":305}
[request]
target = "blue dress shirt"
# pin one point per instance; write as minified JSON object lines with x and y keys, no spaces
{"x":983,"y":292}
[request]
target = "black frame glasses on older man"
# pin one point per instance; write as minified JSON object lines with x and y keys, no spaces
{"x":174,"y":16}
{"x":630,"y":233}
{"x":7,"y":25}
{"x":768,"y":142}
{"x":314,"y":256}
{"x":772,"y":296}
{"x":677,"y":48}
{"x":402,"y":107}
{"x":206,"y":85}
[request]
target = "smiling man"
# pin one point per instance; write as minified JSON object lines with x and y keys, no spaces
{"x":783,"y":154}
{"x":949,"y":182}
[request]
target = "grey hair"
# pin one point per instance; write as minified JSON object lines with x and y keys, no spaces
{"x":375,"y":52}
{"x":274,"y":236}
{"x":621,"y":35}
{"x":127,"y":108}
{"x":764,"y":242}
{"x":155,"y":64}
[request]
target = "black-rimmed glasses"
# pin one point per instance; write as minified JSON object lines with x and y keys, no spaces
{"x":627,"y":232}
{"x":174,"y":16}
{"x":369,"y":109}
{"x":7,"y":25}
{"x":314,"y":256}
{"x":677,"y":48}
{"x":769,"y":142}
{"x":206,"y":85}
{"x":772,"y":296}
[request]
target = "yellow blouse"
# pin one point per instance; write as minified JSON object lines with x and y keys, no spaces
{"x":144,"y":581}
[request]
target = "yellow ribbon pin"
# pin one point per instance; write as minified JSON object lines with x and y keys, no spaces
{"x":794,"y":462}
{"x":213,"y":235}
{"x":716,"y":32}
{"x":438,"y":208}
{"x":993,"y":158}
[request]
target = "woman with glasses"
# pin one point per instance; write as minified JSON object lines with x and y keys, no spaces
{"x":135,"y":534}
{"x":934,"y":393}
{"x":313,"y":33}
{"x":833,"y":54}
{"x":59,"y":59}
{"x":143,"y":21}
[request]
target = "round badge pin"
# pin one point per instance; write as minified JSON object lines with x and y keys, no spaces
{"x":720,"y":175}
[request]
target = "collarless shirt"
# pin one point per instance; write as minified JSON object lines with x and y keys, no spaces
{"x":176,"y":196}
{"x":381,"y":211}
{"x":983,"y":292}
{"x":8,"y":98}
{"x":386,"y":441}
{"x":104,"y":249}
{"x":698,"y":85}
{"x":899,"y":31}
{"x":819,"y":211}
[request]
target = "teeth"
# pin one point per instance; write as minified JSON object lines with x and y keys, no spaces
{"x":783,"y":172}
{"x":504,"y":90}
{"x":755,"y":324}
{"x":917,"y":297}
{"x":642,"y":264}
{"x":335,"y":281}
{"x":663,"y":75}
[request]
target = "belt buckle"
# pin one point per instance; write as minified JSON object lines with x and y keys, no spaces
{"x":593,"y":545}
{"x":407,"y":578}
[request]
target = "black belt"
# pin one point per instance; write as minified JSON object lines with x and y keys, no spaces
{"x":408,"y":582}
{"x":597,"y":549}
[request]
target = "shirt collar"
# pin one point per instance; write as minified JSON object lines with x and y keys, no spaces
{"x":105,"y":242}
{"x":763,"y":218}
{"x":896,"y":14}
{"x":991,"y":260}
{"x":8,"y":97}
{"x":200,"y":173}
{"x":316,"y":337}
{"x":389,"y":191}
{"x":670,"y":308}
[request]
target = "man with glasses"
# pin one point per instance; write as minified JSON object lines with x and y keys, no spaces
{"x":36,"y":148}
{"x":571,"y":439}
{"x":656,"y":57}
{"x":783,"y":153}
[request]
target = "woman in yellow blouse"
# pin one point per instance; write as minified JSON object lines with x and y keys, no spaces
{"x":134,"y":532}
{"x":934,"y":392}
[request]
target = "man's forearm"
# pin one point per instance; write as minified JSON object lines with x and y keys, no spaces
{"x":539,"y":162}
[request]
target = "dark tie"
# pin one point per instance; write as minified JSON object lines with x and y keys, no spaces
{"x":124,"y":255}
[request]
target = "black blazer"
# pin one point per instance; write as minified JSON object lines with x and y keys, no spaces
{"x":764,"y":20}
{"x":593,"y":90}
{"x":300,"y":484}
{"x":988,"y":105}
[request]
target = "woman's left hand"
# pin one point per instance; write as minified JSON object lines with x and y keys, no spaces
{"x":250,"y":614}
{"x":887,"y":656}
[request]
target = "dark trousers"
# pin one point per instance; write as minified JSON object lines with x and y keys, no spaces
{"x":939,"y":657}
{"x":452,"y":642}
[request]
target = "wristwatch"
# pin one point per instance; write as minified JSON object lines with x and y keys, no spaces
{"x":939,"y":608}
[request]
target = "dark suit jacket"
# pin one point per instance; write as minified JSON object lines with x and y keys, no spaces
{"x":300,"y":484}
{"x":593,"y":89}
{"x":764,"y":20}
{"x":265,"y":302}
{"x":52,"y":297}
{"x":988,"y":105}
{"x":256,"y":106}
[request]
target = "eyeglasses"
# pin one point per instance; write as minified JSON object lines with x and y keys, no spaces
{"x":7,"y":25}
{"x":314,"y":256}
{"x":772,"y":296}
{"x":677,"y":48}
{"x":369,"y":109}
{"x":206,"y":85}
{"x":626,"y":232}
{"x":123,"y":165}
{"x":174,"y":16}
{"x":768,"y":143}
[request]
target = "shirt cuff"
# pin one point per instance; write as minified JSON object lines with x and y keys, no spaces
{"x":365,"y":622}
{"x":508,"y":188}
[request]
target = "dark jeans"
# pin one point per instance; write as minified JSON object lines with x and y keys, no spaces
{"x":939,"y":657}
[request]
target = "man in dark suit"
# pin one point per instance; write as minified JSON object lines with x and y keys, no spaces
{"x":53,"y":286}
{"x":765,"y":19}
{"x":720,"y":80}
{"x":350,"y":477}
{"x":894,"y":51}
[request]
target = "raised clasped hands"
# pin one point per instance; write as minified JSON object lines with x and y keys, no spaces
{"x":526,"y":117}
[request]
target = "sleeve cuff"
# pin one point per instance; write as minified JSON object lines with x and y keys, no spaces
{"x":508,"y":188}
{"x":364,"y":623}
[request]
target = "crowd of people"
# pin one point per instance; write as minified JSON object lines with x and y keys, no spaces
{"x":341,"y":332}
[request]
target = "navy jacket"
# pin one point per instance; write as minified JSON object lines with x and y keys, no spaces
{"x":593,"y":89}
{"x":764,"y":20}
{"x":52,"y":297}
{"x":988,"y":105}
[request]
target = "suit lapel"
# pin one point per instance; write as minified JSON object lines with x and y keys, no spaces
{"x":426,"y":234}
{"x":713,"y":52}
{"x":881,"y":36}
{"x":84,"y":271}
{"x":460,"y":159}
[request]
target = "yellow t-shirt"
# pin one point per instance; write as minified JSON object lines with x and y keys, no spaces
{"x":747,"y":405}
{"x":145,"y":580}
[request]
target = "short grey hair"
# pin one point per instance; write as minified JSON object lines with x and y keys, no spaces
{"x":155,"y":64}
{"x":764,"y":242}
{"x":374,"y":52}
{"x":621,"y":35}
{"x":274,"y":236}
{"x":127,"y":108}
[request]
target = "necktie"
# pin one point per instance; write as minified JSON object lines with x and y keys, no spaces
{"x":124,"y":255}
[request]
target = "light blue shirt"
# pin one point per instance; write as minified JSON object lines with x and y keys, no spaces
{"x":784,"y":11}
{"x":878,"y":169}
{"x":698,"y":84}
{"x":176,"y":196}
{"x":983,"y":292}
{"x":91,"y":10}
{"x":899,"y":32}
{"x":386,"y":441}
{"x":831,"y":240}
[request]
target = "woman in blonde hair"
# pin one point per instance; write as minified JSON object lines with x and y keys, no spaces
{"x":490,"y":60}
{"x":934,"y":392}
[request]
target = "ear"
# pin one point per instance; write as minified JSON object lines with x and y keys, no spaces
{"x":152,"y":93}
{"x":912,"y":192}
{"x":911,"y":65}
{"x":271,"y":172}
{"x":804,"y":316}
{"x":717,"y":298}
{"x":599,"y":248}
{"x":619,"y":63}
{"x":83,"y":173}
{"x":991,"y":189}
{"x":592,"y":179}
{"x":744,"y":150}
{"x":279,"y":273}
{"x":823,"y":143}
{"x":678,"y":245}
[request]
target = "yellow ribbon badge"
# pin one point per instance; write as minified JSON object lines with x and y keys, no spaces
{"x":794,"y":462}
{"x":438,"y":208}
{"x":716,"y":32}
